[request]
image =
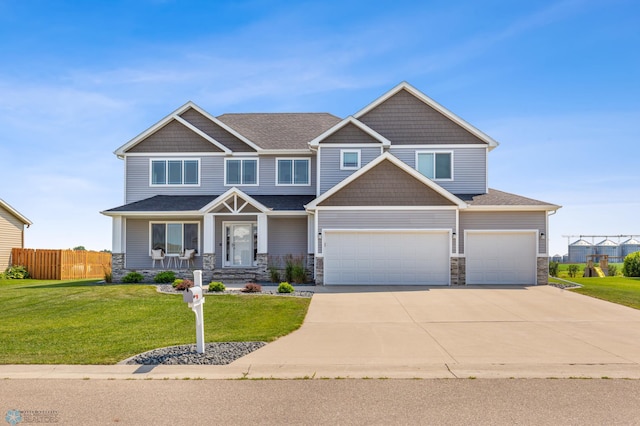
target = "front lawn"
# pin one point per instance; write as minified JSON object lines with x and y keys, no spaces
{"x":621,"y":290}
{"x":81,"y":322}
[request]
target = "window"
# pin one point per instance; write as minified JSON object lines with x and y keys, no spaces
{"x":175,"y":172}
{"x":241,"y":172}
{"x":349,"y":159}
{"x":435,"y":165}
{"x":174,"y":237}
{"x":292,"y":171}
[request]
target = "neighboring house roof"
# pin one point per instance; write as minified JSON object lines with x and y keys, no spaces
{"x":495,"y":198}
{"x":280,"y":131}
{"x":404,"y":86}
{"x":195,"y":203}
{"x":15,"y":213}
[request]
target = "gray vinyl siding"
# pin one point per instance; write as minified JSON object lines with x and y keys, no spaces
{"x":287,"y":236}
{"x":386,"y":219}
{"x":11,"y":230}
{"x":137,"y":242}
{"x":330,"y":173}
{"x":502,"y":221}
{"x":211,"y":179}
{"x":469,"y":168}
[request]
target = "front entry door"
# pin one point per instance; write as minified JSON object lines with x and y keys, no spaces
{"x":240,"y":244}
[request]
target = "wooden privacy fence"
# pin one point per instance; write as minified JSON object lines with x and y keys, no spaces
{"x":62,"y":264}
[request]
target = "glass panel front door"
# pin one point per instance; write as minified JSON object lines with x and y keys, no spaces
{"x":241,"y":250}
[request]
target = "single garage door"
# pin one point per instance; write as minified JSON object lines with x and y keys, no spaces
{"x":501,"y":257}
{"x":386,"y":257}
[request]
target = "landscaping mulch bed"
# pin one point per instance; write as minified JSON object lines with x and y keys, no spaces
{"x":273,"y":291}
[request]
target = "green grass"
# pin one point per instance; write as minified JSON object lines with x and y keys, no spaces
{"x":621,"y":290}
{"x":81,"y":322}
{"x":563,"y":269}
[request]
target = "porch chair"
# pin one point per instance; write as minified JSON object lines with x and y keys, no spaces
{"x":188,"y":256}
{"x":157,"y":255}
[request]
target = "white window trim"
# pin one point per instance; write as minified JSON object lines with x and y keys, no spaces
{"x":349,"y":151}
{"x":434,"y":166}
{"x":167,"y":222}
{"x":166,"y":170}
{"x":292,"y":159}
{"x":242,"y":160}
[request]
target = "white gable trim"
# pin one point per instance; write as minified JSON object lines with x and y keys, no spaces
{"x":351,"y":120}
{"x":427,"y":100}
{"x":15,"y":212}
{"x":238,"y":206}
{"x":387,"y":156}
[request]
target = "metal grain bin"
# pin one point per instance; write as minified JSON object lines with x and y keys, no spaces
{"x":579,"y":250}
{"x":609,"y":248}
{"x":629,"y":246}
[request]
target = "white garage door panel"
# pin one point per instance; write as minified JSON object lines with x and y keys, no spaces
{"x":386,"y":257}
{"x":501,"y":258}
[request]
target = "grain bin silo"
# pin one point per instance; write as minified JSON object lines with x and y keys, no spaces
{"x":629,"y":246}
{"x":556,"y":258}
{"x":609,"y":248}
{"x":579,"y":250}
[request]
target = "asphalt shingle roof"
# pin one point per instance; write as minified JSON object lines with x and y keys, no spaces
{"x":500,"y":198}
{"x":280,"y":130}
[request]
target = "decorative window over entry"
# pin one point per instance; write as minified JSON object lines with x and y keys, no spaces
{"x":435,"y":165}
{"x":241,"y":172}
{"x":292,"y":171}
{"x":175,"y":172}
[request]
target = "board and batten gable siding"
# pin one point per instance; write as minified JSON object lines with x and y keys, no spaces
{"x":12,"y":233}
{"x":330,"y":173}
{"x":137,"y":243}
{"x":350,"y":134}
{"x":287,"y":236}
{"x":503,"y":221}
{"x":174,"y":137}
{"x":469,"y":167}
{"x":386,"y":219}
{"x":211,"y":178}
{"x":406,"y":120}
{"x":215,"y":131}
{"x":386,"y":185}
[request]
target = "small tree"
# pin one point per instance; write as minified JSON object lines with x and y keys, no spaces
{"x":631,"y":265}
{"x":79,"y":248}
{"x":573,"y":270}
{"x":553,"y":268}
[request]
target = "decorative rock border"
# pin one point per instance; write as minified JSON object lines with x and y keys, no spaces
{"x":222,"y":353}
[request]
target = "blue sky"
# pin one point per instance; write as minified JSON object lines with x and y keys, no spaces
{"x":555,"y":82}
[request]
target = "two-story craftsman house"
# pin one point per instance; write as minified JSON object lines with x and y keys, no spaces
{"x":395,"y":194}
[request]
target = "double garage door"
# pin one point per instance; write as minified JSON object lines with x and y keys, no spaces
{"x":386,"y":257}
{"x":507,"y":257}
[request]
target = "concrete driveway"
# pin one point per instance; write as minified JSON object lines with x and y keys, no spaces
{"x":455,"y":332}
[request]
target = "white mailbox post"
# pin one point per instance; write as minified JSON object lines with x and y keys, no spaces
{"x":193,"y":296}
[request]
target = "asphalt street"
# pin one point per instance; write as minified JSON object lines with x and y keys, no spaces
{"x":319,"y":402}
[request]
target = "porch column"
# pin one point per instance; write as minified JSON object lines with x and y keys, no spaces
{"x":209,"y":234}
{"x":116,"y":235}
{"x":262,"y":233}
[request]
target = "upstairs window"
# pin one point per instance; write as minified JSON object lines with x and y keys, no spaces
{"x":435,"y":165}
{"x":349,"y":159}
{"x":292,"y":171}
{"x":241,"y":172}
{"x":175,"y":172}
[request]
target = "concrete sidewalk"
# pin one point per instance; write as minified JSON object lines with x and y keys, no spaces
{"x":424,"y":332}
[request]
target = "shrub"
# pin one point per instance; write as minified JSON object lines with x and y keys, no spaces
{"x":108,"y":276}
{"x":16,"y":272}
{"x":573,"y":270}
{"x":183,"y":285}
{"x":613,"y":270}
{"x":553,"y":268}
{"x":298,"y":274}
{"x":285,"y":288}
{"x":631,"y":265}
{"x":252,"y":288}
{"x":133,"y":278}
{"x":274,"y":274}
{"x":177,"y":282}
{"x":165,"y":277}
{"x":216,"y":286}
